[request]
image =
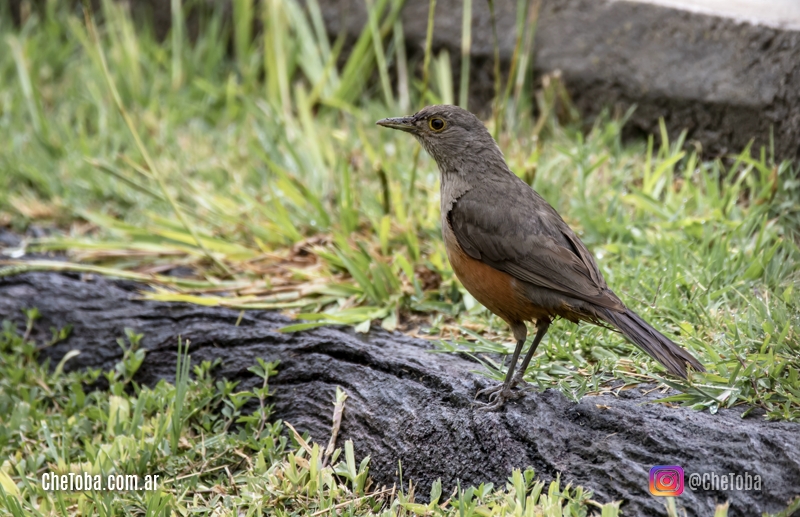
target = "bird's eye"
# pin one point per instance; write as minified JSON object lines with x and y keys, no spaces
{"x":436,"y":124}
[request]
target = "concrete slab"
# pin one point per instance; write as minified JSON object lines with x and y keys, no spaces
{"x":724,"y":80}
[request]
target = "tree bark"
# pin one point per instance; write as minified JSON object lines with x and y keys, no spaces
{"x":408,"y":405}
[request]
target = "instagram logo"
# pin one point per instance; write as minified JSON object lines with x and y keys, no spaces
{"x":666,"y":480}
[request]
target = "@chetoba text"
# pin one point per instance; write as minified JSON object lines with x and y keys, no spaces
{"x":668,"y":480}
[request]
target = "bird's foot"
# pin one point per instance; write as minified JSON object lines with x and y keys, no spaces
{"x":498,"y":395}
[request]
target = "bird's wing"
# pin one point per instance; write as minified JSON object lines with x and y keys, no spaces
{"x":525,"y":237}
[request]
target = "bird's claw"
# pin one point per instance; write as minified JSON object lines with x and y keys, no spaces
{"x":498,"y":398}
{"x":498,"y":395}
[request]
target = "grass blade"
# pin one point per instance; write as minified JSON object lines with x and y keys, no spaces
{"x":466,"y":53}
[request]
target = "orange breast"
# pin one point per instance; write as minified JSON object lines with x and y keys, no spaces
{"x":497,"y":291}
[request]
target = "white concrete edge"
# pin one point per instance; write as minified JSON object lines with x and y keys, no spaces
{"x":779,"y":14}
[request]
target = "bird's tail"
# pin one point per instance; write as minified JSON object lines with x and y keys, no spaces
{"x":659,"y":347}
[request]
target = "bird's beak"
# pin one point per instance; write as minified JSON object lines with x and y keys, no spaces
{"x":402,"y":123}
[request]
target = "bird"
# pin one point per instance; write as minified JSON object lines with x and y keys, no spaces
{"x":514,"y":253}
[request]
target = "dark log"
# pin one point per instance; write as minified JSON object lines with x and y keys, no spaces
{"x":409,"y":405}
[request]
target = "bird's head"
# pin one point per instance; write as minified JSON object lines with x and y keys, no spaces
{"x":450,"y":134}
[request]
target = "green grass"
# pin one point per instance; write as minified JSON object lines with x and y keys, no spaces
{"x":212,"y":458}
{"x":263,"y":172}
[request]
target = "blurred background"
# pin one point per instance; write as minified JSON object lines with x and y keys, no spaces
{"x":726,"y":71}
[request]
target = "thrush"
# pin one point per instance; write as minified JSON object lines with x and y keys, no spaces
{"x":513,"y":252}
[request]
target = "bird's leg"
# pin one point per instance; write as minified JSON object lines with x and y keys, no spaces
{"x":499,"y":394}
{"x":541,"y":329}
{"x":506,"y":386}
{"x":503,"y":391}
